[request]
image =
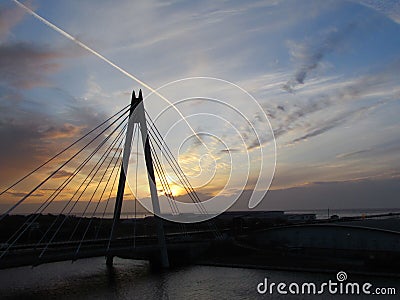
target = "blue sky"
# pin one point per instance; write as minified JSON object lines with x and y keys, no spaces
{"x":326,"y":73}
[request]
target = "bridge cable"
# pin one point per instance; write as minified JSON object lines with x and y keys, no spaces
{"x":108,"y":200}
{"x":176,"y":169}
{"x":54,"y":172}
{"x":166,"y":187}
{"x":99,"y":181}
{"x":62,"y":151}
{"x":33,"y":217}
{"x":77,"y":190}
{"x":173,"y":162}
{"x":74,"y":204}
{"x":102,"y":194}
{"x":63,"y":221}
{"x":180,"y":171}
{"x":187,"y":186}
{"x":88,"y":159}
{"x":163,"y":180}
{"x":156,"y":135}
{"x":56,"y":193}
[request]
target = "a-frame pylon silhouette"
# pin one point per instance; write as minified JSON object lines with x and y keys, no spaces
{"x":137,"y":116}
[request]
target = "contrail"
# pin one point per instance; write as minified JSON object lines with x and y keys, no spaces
{"x":82,"y":45}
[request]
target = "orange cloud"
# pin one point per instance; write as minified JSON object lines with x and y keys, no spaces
{"x":66,"y":130}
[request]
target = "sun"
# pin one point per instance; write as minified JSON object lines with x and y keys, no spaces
{"x":176,"y":190}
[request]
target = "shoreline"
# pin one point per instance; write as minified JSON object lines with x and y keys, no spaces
{"x":293,"y":269}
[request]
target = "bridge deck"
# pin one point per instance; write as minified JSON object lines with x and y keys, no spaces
{"x":142,"y":248}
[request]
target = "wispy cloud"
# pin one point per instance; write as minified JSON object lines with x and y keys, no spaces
{"x":31,"y":134}
{"x":341,"y":94}
{"x":26,"y":65}
{"x":20,"y":194}
{"x":332,"y":123}
{"x":381,"y":150}
{"x":163,"y":41}
{"x":23,"y":65}
{"x":64,"y":131}
{"x":62,"y":174}
{"x":353,"y":153}
{"x":229,"y":150}
{"x":10,"y":16}
{"x":309,"y":54}
{"x":390,"y":8}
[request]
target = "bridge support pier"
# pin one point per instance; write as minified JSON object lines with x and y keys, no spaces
{"x":109,"y":260}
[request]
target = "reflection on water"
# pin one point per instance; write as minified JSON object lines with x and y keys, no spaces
{"x":91,"y":279}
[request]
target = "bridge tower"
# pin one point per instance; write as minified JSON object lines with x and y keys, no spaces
{"x":137,"y":116}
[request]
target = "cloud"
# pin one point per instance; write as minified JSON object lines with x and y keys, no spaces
{"x":30,"y":134}
{"x":390,"y":8}
{"x":229,"y":150}
{"x":64,"y":131}
{"x":21,"y":148}
{"x":327,"y":94}
{"x":25,"y":65}
{"x":286,"y":117}
{"x":351,"y":194}
{"x":9,"y":17}
{"x":339,"y":120}
{"x":308,"y":55}
{"x":20,"y":195}
{"x":382,"y":149}
{"x":256,"y":143}
{"x":328,"y":126}
{"x":353,"y":153}
{"x":62,"y":174}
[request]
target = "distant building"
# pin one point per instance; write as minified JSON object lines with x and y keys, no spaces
{"x":293,"y":218}
{"x":332,"y":237}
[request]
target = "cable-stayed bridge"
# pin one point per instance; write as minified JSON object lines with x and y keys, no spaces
{"x":88,"y":174}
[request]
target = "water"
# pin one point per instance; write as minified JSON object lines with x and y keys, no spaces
{"x":320,"y":213}
{"x":351,"y":212}
{"x":90,"y":279}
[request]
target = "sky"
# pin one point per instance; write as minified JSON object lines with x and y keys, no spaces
{"x":324,"y":75}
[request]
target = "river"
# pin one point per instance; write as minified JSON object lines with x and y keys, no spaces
{"x":128,"y":279}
